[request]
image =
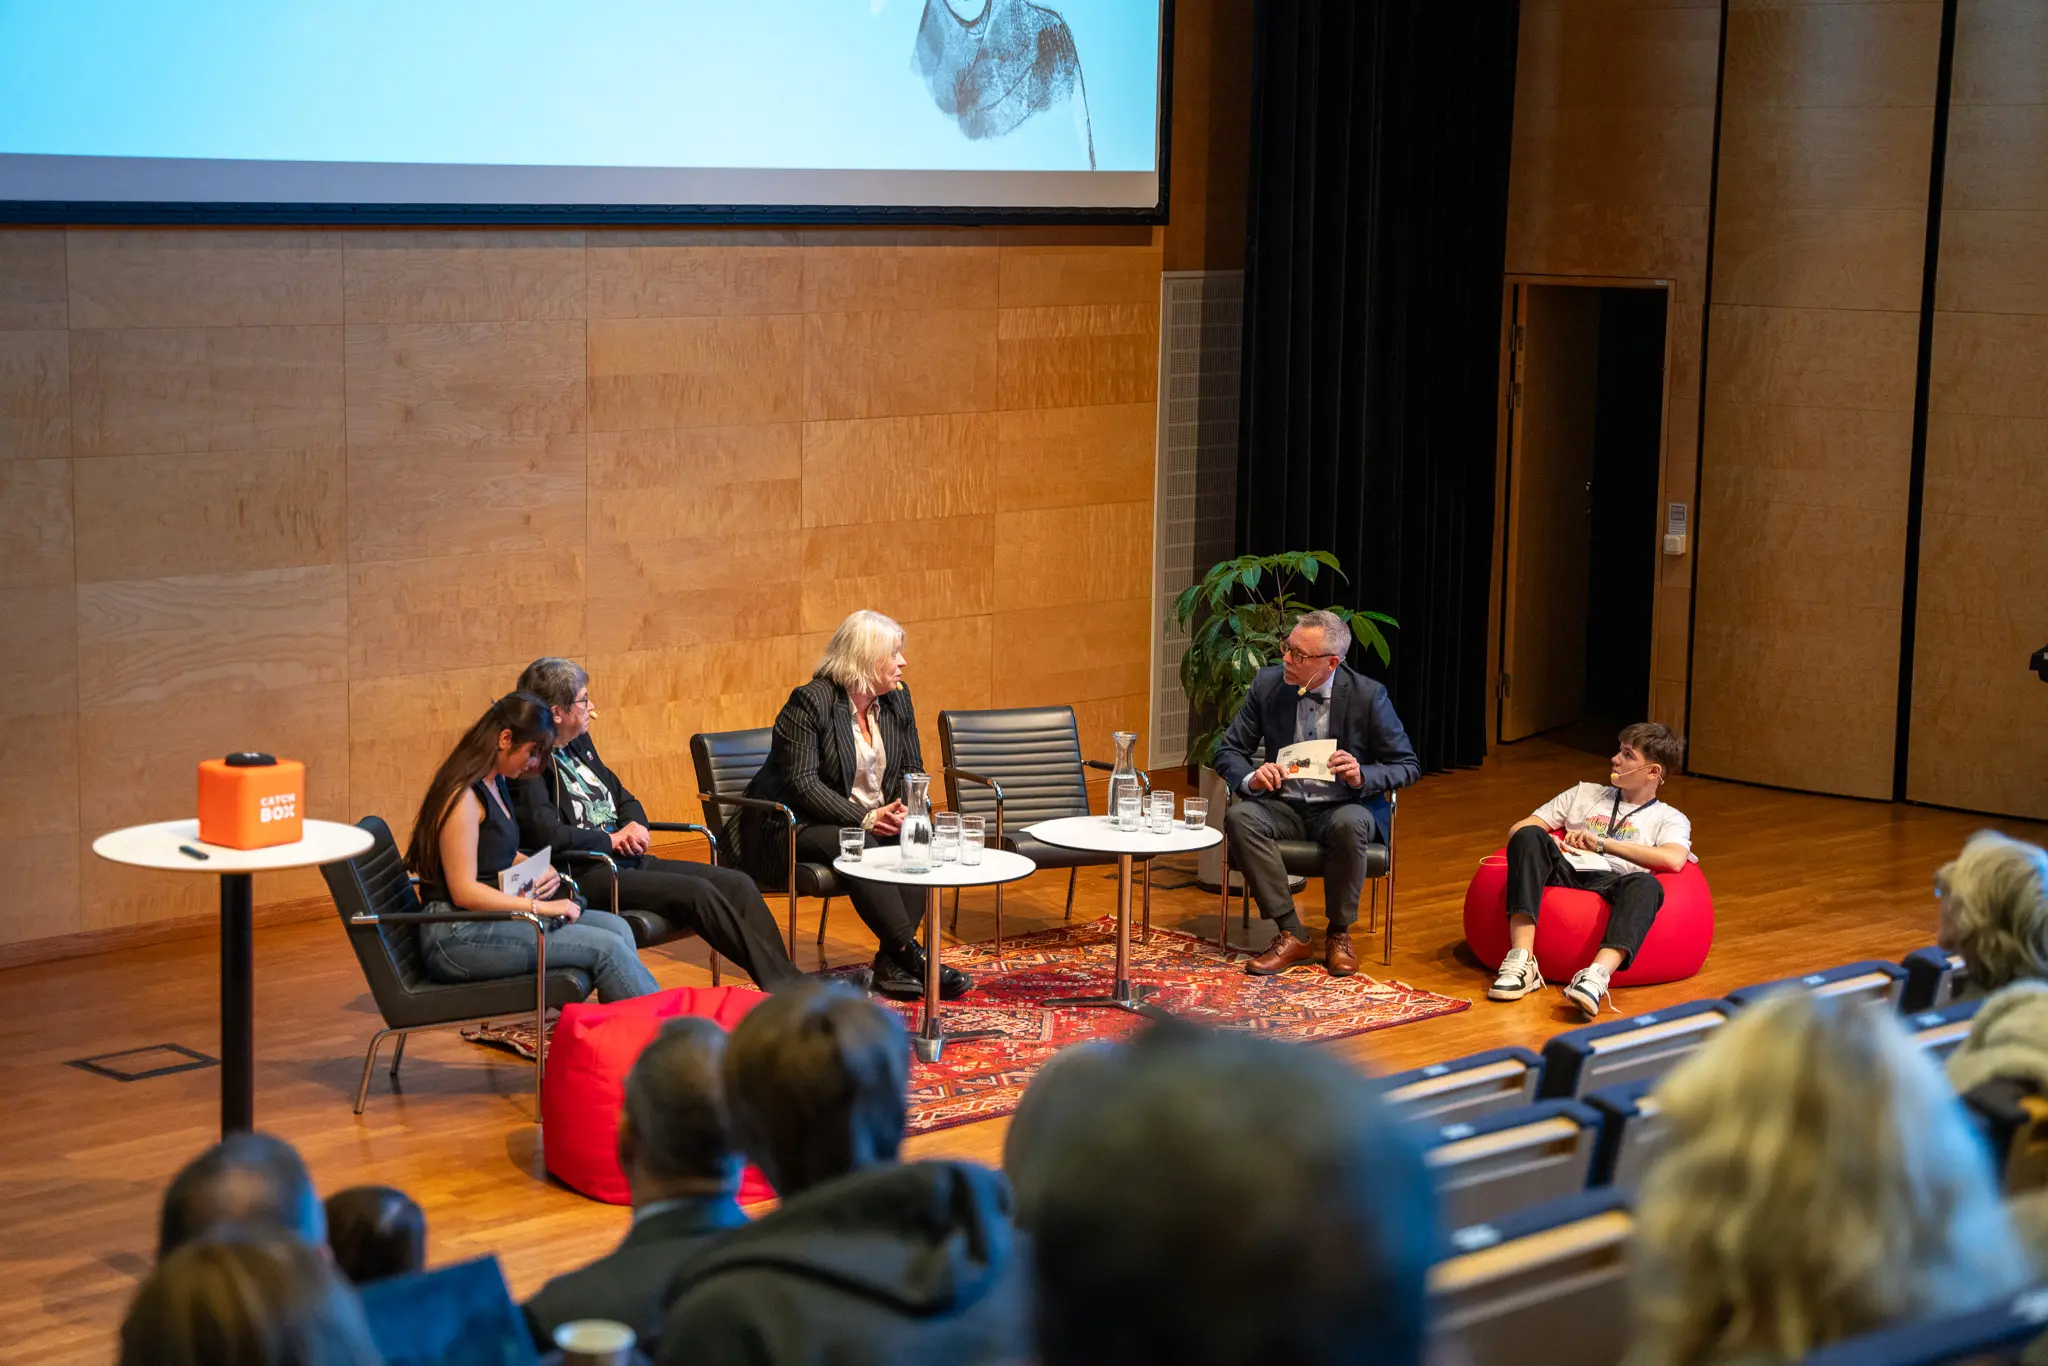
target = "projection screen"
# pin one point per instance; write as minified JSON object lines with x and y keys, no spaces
{"x":519,"y":110}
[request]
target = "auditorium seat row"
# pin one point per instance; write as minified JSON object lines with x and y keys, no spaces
{"x":1511,"y":1290}
{"x":1510,"y":1129}
{"x":1537,"y":1159}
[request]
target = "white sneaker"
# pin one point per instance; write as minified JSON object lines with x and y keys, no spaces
{"x":1588,"y":990}
{"x":1518,"y":977}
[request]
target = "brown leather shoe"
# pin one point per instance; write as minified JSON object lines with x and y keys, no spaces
{"x":1283,"y":953}
{"x":1338,"y":958}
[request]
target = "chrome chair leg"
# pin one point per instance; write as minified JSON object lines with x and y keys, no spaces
{"x":370,"y":1064}
{"x":540,"y":1014}
{"x":1387,"y":953}
{"x":1073,"y":877}
{"x":398,"y":1054}
{"x":824,"y":911}
{"x":714,"y":967}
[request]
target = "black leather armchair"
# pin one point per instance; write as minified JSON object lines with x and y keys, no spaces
{"x":382,"y":913}
{"x":726,"y":761}
{"x":1020,"y":766}
{"x":1304,"y":858}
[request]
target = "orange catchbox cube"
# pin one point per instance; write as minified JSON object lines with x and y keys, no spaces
{"x":254,"y":807}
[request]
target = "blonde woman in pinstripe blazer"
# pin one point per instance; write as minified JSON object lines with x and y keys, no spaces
{"x":842,"y":744}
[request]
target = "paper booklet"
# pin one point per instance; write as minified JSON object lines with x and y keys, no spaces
{"x":1585,"y":860}
{"x":522,"y":877}
{"x":1309,"y":760}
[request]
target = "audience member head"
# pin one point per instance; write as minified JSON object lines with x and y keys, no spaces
{"x":375,"y":1232}
{"x":1994,"y":909}
{"x":250,"y":1180}
{"x":675,"y":1138}
{"x":817,"y":1077}
{"x":865,"y":654}
{"x":565,"y":687}
{"x":1204,"y":1167}
{"x":1649,"y":748}
{"x":246,"y":1297}
{"x":1821,"y":1181}
{"x":1065,"y":1087}
{"x":508,"y":741}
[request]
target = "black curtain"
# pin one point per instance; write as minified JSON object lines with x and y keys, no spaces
{"x":1376,"y":234}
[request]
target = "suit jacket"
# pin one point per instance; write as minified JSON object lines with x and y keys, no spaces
{"x":810,"y":766}
{"x":630,"y":1286}
{"x":1362,"y":722}
{"x":545,"y":810}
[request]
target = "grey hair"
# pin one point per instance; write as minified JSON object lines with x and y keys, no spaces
{"x":1336,"y":632}
{"x":854,"y":656}
{"x":1995,"y":894}
{"x":554,"y":680}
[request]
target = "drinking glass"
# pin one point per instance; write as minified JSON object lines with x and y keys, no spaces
{"x":1127,"y":813}
{"x":973,"y":835}
{"x":1162,"y":812}
{"x":1194,"y":812}
{"x":852,"y":842}
{"x":945,"y":837}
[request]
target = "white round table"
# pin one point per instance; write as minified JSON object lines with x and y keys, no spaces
{"x":175,"y":847}
{"x":1100,"y":835}
{"x":884,"y":863}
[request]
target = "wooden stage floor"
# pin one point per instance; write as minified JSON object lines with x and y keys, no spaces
{"x":1800,"y":883}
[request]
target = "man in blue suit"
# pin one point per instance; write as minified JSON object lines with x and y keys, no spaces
{"x":1312,"y":695}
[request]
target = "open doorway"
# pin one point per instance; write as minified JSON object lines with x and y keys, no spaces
{"x":1582,"y":521}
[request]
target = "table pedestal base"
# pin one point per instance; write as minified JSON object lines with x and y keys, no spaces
{"x":930,"y":1041}
{"x":1125,"y":995}
{"x":237,"y":1005}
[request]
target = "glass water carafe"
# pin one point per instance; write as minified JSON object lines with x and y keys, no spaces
{"x":1123,"y":778}
{"x":916,"y":837}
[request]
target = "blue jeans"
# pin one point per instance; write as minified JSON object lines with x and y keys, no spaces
{"x":598,"y":942}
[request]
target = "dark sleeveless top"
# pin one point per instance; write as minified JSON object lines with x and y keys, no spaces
{"x":497,"y":841}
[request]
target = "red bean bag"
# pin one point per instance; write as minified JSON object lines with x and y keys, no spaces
{"x":1569,"y":929}
{"x":590,"y":1050}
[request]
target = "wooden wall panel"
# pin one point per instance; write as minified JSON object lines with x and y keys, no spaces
{"x":1611,"y":167}
{"x":1820,"y":233}
{"x":328,"y":491}
{"x":38,"y":612}
{"x":1976,"y":733}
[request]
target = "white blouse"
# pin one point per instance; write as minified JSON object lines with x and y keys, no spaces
{"x":870,"y":760}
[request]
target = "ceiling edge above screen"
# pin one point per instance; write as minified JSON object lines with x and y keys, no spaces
{"x":38,"y":188}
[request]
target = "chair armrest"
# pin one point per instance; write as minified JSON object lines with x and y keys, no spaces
{"x":992,"y":785}
{"x":589,"y":856}
{"x":745,"y":804}
{"x":685,"y":827}
{"x":443,"y":917}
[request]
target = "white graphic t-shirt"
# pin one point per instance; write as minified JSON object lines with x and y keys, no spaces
{"x":1591,"y":806}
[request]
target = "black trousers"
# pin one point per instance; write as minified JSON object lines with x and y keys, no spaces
{"x":722,"y":905}
{"x":892,"y":912}
{"x":1257,"y":825}
{"x":1535,"y":862}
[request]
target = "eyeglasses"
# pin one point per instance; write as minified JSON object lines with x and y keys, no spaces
{"x":584,"y":702}
{"x":1298,"y":657}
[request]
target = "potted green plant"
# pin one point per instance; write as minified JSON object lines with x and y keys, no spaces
{"x":1237,"y":617}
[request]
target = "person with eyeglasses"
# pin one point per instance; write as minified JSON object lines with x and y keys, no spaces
{"x":1312,"y":695}
{"x":575,"y":802}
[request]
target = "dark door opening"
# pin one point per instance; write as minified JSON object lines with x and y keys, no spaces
{"x":1580,"y":568}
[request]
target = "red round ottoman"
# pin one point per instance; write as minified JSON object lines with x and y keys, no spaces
{"x":1569,"y":929}
{"x":590,"y":1050}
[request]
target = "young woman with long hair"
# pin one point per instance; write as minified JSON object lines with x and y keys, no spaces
{"x":465,"y":835}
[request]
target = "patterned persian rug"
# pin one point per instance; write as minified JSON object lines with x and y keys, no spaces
{"x":984,"y":1078}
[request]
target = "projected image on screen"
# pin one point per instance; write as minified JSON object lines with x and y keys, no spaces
{"x":1007,"y":63}
{"x":941,"y":103}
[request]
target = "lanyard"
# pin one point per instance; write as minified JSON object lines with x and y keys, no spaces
{"x":1613,"y":824}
